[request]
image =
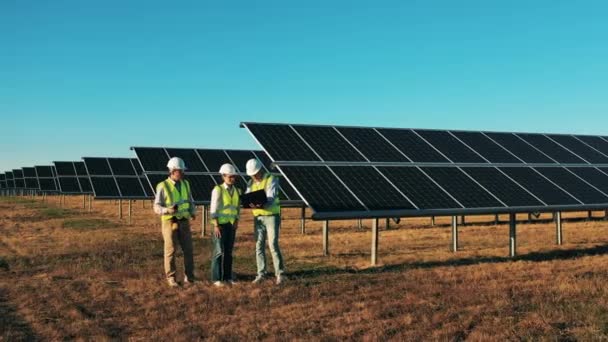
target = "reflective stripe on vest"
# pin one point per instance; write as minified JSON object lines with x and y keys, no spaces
{"x":275,"y":207}
{"x":230,"y":205}
{"x":173,"y":197}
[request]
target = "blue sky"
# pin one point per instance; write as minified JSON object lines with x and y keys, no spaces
{"x":92,"y":78}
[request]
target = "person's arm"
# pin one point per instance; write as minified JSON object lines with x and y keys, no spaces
{"x":159,"y":201}
{"x":272,"y":191}
{"x":192,"y":206}
{"x":214,"y":206}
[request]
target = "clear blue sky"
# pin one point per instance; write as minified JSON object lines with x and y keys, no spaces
{"x":91,"y":78}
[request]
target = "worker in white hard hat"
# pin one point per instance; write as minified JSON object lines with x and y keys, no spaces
{"x":225,"y":211}
{"x":175,"y":205}
{"x":266,"y":220}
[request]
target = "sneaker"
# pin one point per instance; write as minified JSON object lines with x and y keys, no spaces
{"x":218,"y":284}
{"x":280,"y":279}
{"x":258,"y":279}
{"x":172,"y":282}
{"x":190,"y":281}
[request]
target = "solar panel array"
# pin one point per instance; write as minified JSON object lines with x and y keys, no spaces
{"x":46,"y":178}
{"x":72,"y":178}
{"x":350,"y":172}
{"x":30,"y":178}
{"x":18,"y":179}
{"x":3,"y":182}
{"x":10,"y":180}
{"x":203,"y":169}
{"x":117,"y":178}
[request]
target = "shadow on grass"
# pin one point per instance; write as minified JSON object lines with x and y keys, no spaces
{"x":13,"y":327}
{"x":534,"y":257}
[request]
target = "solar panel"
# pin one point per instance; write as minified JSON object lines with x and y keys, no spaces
{"x":152,"y":158}
{"x":450,"y":147}
{"x":486,"y":147}
{"x":574,"y":185}
{"x":18,"y":177}
{"x":30,"y":179}
{"x":10,"y":180}
{"x":413,"y":146}
{"x":588,"y":153}
{"x":193,"y":162}
{"x":115,"y":178}
{"x":44,"y":171}
{"x":596,"y":143}
{"x":508,"y":191}
{"x":592,"y":176}
{"x":72,"y":177}
{"x":387,"y":172}
{"x":519,"y":147}
{"x":551,"y":149}
{"x":3,"y":181}
{"x":372,"y":145}
{"x":214,"y":159}
{"x":542,"y":188}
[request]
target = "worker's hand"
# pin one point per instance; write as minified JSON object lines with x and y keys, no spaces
{"x":217,"y":232}
{"x":170,"y":210}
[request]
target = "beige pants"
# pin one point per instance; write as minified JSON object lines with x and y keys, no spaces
{"x":183,"y":237}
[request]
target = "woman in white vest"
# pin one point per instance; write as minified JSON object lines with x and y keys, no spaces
{"x":225,"y":209}
{"x":266,"y":220}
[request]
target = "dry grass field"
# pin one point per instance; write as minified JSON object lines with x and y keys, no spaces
{"x":68,"y":274}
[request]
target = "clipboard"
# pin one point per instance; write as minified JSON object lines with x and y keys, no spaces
{"x":255,"y":198}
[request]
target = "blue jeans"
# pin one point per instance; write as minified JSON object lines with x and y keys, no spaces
{"x":267,"y":228}
{"x":221,"y":261}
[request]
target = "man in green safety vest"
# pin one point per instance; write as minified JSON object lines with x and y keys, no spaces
{"x":175,"y":205}
{"x":225,"y":209}
{"x":266,"y":220}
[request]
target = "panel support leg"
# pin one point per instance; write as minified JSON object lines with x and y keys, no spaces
{"x":325,"y":238}
{"x":454,"y":234}
{"x":90,"y":203}
{"x":558,"y":228}
{"x":130,"y":211}
{"x":303,"y":221}
{"x":375,"y":235}
{"x":388,"y":224}
{"x":120,"y":209}
{"x":462,"y":220}
{"x":432,"y":221}
{"x":360,"y":224}
{"x":512,"y":235}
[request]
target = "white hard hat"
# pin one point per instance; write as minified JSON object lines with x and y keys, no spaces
{"x":253,"y":167}
{"x":228,"y":169}
{"x":176,"y":163}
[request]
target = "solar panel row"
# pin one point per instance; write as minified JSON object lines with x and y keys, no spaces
{"x":72,"y":178}
{"x":116,"y":178}
{"x":344,"y":172}
{"x":360,"y":144}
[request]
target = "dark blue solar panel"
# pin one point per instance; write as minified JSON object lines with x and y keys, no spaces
{"x":550,"y":148}
{"x":519,"y":148}
{"x":573,"y":185}
{"x":593,"y":176}
{"x":319,"y":186}
{"x":539,"y":186}
{"x":597,"y":143}
{"x":413,"y":146}
{"x":369,"y":142}
{"x":371,"y":188}
{"x":486,"y":147}
{"x":97,"y":166}
{"x":419,"y":188}
{"x":189,"y":156}
{"x":589,"y":154}
{"x":502,"y":187}
{"x":281,"y":142}
{"x":461,"y":187}
{"x":152,"y":159}
{"x":105,"y":187}
{"x":328,"y":143}
{"x":451,"y":147}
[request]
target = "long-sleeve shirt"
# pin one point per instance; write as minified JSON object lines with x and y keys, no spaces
{"x":272,"y":190}
{"x":217,"y":202}
{"x":160,"y":200}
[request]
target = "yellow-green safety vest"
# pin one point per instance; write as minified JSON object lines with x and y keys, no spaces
{"x":275,"y":207}
{"x":174,"y":197}
{"x":231,"y":203}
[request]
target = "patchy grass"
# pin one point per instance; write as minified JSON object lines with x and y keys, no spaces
{"x":88,"y":223}
{"x":108,"y":284}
